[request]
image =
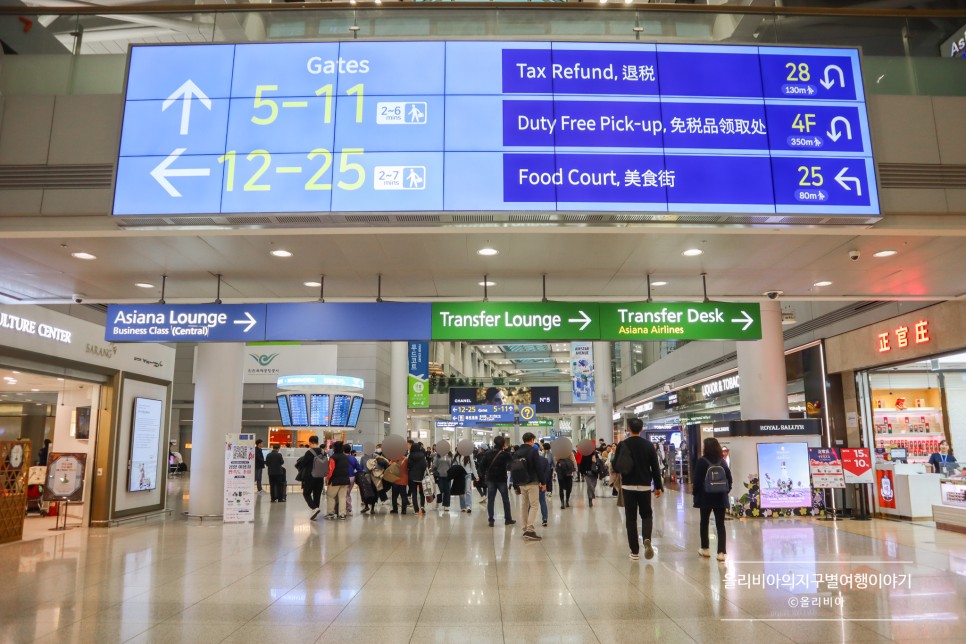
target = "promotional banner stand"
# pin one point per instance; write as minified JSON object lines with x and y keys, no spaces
{"x":861,"y":499}
{"x":62,"y":514}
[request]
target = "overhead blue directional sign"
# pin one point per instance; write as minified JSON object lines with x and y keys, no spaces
{"x":185,"y":323}
{"x":474,"y":415}
{"x":469,"y":126}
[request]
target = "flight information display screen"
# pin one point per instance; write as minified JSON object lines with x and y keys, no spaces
{"x":355,"y":411}
{"x":494,"y":126}
{"x":340,"y":410}
{"x":300,"y":415}
{"x":283,"y":410}
{"x":319,"y":410}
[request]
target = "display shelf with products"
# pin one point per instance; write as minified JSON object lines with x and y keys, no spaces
{"x":918,"y":446}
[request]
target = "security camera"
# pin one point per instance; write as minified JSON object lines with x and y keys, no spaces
{"x":667,"y":387}
{"x":78,"y":298}
{"x":774,"y":295}
{"x":854,"y":255}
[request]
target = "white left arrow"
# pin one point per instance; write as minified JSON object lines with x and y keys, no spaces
{"x":185,"y":93}
{"x":250,"y":322}
{"x":844,"y":181}
{"x":163,"y":171}
{"x":583,"y":318}
{"x":746,"y":319}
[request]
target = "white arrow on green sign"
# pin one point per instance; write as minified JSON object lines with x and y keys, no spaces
{"x":680,"y":321}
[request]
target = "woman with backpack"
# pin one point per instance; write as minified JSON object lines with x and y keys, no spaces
{"x":471,"y":476}
{"x":566,"y":469}
{"x":712,"y":484}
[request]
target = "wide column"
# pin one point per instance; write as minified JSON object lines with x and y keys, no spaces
{"x":604,"y":394}
{"x":761,"y":369}
{"x":398,"y":387}
{"x":468,"y":362}
{"x":219,"y":385}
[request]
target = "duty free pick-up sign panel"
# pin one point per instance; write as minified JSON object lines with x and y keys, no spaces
{"x":494,"y":126}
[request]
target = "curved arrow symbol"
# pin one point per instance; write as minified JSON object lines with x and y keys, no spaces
{"x":186,"y":92}
{"x":250,"y":322}
{"x":746,"y":319}
{"x":844,"y":181}
{"x":827,"y":82}
{"x":835,"y":134}
{"x":162,"y":172}
{"x":585,"y":319}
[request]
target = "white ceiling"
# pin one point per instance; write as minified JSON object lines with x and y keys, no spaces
{"x":437,"y":263}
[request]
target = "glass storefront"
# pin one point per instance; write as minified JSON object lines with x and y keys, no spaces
{"x":918,"y":405}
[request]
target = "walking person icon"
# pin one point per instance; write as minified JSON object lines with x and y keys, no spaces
{"x":415,"y":179}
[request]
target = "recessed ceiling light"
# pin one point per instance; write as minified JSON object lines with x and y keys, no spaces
{"x":281,"y":252}
{"x":34,"y":390}
{"x":14,"y":372}
{"x":143,"y":285}
{"x":822,"y":283}
{"x":61,"y":379}
{"x":487,"y":283}
{"x":658,"y":283}
{"x":312,"y":284}
{"x":885,"y":253}
{"x":83,"y":255}
{"x":488,"y":252}
{"x":693,"y":252}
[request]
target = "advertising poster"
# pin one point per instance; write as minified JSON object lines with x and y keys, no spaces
{"x":783,"y":475}
{"x":65,"y":477}
{"x":239,"y":478}
{"x":145,"y":443}
{"x":826,"y":467}
{"x":885,"y":484}
{"x":582,"y":371}
{"x":857,"y":465}
{"x":418,"y":375}
{"x":546,"y":399}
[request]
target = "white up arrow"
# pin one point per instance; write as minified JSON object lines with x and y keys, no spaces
{"x":250,"y":322}
{"x":746,"y":319}
{"x":185,"y":93}
{"x":827,"y":82}
{"x":162,"y":172}
{"x":835,"y":134}
{"x":843,"y":181}
{"x":584,"y":318}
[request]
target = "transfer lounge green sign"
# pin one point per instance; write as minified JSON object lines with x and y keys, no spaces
{"x":596,"y":321}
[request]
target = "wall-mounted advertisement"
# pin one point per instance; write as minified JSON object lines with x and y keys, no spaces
{"x":546,"y":399}
{"x":582,"y":371}
{"x":783,"y":475}
{"x":825,"y":467}
{"x":418,"y":375}
{"x":145,"y":442}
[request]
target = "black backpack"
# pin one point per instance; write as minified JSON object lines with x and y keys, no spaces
{"x":716,"y":479}
{"x":565,"y":467}
{"x":519,"y":471}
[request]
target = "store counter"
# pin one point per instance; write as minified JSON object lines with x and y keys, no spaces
{"x":906,"y":491}
{"x":950,"y":514}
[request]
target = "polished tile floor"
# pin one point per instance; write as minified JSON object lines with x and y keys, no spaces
{"x":394,"y":578}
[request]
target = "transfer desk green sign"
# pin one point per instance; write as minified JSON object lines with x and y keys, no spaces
{"x":596,"y":321}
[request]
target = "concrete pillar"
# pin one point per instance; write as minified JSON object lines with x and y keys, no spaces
{"x":398,"y":387}
{"x":219,"y":369}
{"x":604,"y":398}
{"x":468,"y":367}
{"x":626,"y":360}
{"x":761,"y":369}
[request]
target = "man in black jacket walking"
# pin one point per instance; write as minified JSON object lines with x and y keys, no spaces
{"x":637,"y":482}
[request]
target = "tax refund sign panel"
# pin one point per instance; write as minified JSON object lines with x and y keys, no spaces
{"x":494,"y":126}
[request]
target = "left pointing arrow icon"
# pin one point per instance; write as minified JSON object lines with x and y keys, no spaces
{"x":163,"y":171}
{"x":185,"y":93}
{"x":250,"y":322}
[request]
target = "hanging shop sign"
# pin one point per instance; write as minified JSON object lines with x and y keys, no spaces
{"x":800,"y":427}
{"x":720,"y":387}
{"x":582,"y":372}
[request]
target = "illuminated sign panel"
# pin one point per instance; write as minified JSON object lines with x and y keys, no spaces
{"x":469,"y":126}
{"x":903,"y":336}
